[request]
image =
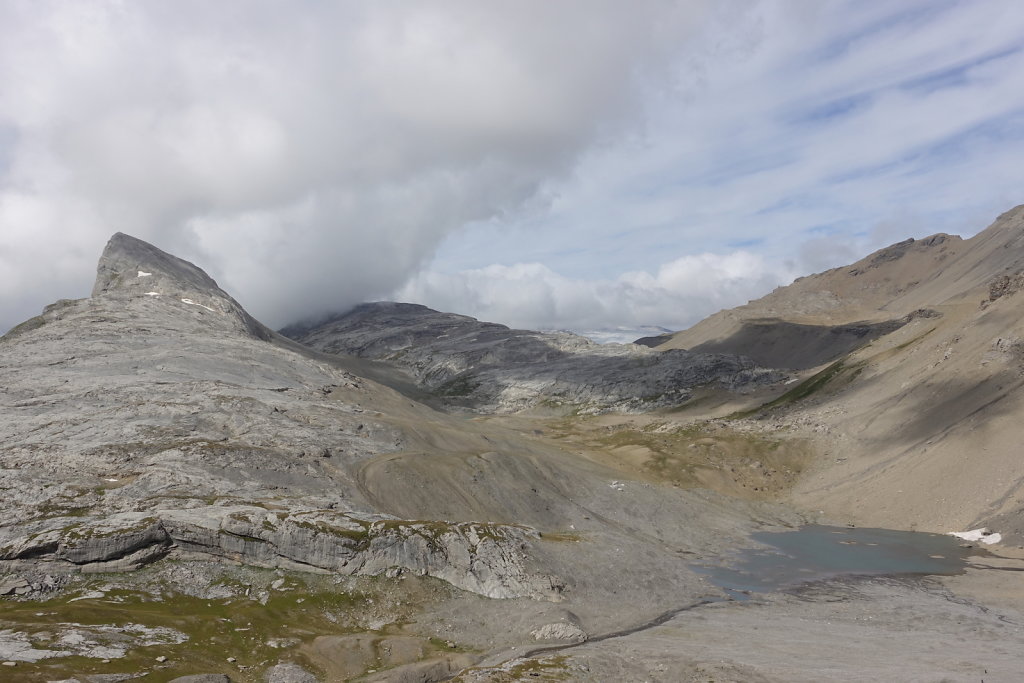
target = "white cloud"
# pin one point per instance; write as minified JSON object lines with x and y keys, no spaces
{"x":798,"y":130}
{"x":531,"y":295}
{"x":310,"y":156}
{"x":314,"y":156}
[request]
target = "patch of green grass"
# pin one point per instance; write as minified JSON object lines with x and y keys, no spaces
{"x":360,"y":538}
{"x":53,"y":509}
{"x":560,"y":406}
{"x":237,"y":627}
{"x":690,"y":404}
{"x":542,"y":669}
{"x":432,"y":530}
{"x":77,"y":531}
{"x":37,"y":321}
{"x":914,"y":340}
{"x":710,"y":456}
{"x":835,"y":374}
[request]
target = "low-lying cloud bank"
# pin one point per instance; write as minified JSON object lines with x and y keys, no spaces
{"x":531,"y":295}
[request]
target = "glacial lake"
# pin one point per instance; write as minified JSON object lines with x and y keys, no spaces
{"x":816,"y":552}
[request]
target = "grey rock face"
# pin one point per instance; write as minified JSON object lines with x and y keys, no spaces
{"x":158,"y":417}
{"x":491,"y":368}
{"x":562,"y":631}
{"x":289,"y":672}
{"x":13,"y":584}
{"x":130,"y":267}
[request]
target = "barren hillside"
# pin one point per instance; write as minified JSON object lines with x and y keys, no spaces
{"x":919,"y":425}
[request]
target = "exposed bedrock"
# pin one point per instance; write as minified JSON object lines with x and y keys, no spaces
{"x":487,"y":559}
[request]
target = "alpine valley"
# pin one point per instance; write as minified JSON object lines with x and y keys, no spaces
{"x":394,"y":493}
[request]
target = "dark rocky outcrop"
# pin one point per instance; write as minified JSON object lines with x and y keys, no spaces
{"x":488,"y":367}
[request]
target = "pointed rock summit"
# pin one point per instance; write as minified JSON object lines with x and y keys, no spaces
{"x":132,"y":269}
{"x":129,"y":264}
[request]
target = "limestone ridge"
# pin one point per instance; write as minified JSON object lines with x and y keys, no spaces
{"x":131,"y":269}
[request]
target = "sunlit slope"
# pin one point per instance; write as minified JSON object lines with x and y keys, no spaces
{"x":921,"y":424}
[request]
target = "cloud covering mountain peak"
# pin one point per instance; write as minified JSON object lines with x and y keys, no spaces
{"x":320,"y":155}
{"x":317,"y":155}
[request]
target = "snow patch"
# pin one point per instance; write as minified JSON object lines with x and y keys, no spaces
{"x":143,"y":273}
{"x":196,"y":303}
{"x":983,"y":535}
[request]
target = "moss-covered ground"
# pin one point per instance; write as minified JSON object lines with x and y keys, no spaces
{"x":700,"y":455}
{"x":253,"y":624}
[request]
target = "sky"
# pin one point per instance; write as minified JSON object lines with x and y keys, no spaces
{"x":580,"y":165}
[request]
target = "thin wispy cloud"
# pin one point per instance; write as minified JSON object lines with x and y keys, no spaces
{"x":571,"y":165}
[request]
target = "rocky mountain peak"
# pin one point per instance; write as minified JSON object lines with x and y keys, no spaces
{"x":898,"y":251}
{"x":132,"y":269}
{"x":128,"y":264}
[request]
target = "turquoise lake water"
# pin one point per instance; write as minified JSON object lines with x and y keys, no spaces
{"x":816,"y":552}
